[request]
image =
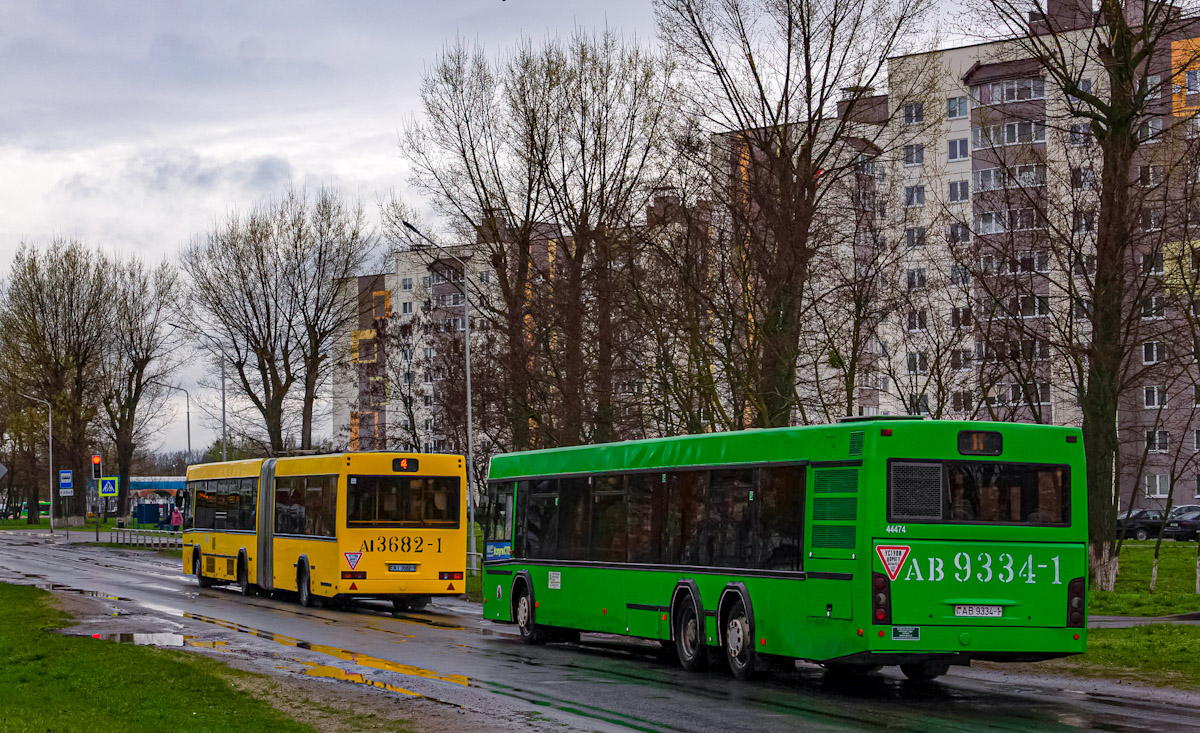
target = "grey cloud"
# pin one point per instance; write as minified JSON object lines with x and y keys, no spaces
{"x":174,"y":171}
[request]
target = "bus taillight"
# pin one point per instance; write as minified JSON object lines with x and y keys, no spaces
{"x":450,"y":576}
{"x":881,"y":605}
{"x":1076,"y":602}
{"x":353,"y":575}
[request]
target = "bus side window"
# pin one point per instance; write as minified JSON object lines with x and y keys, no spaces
{"x":781,"y":518}
{"x":541,"y":521}
{"x":500,"y":503}
{"x":521,"y":505}
{"x":729,"y":535}
{"x":574,"y":500}
{"x":647,"y":517}
{"x":686,"y":493}
{"x":609,"y":525}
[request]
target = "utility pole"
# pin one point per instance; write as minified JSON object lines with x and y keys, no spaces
{"x":470,"y":442}
{"x":224,"y":439}
{"x":187,"y":401}
{"x":50,"y":442}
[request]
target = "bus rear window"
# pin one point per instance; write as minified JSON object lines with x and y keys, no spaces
{"x":402,"y":501}
{"x":978,"y":492}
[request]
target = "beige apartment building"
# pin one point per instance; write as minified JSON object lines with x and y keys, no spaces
{"x":991,"y":204}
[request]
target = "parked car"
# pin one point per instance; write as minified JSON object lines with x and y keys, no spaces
{"x":1183,"y":509}
{"x":1140,"y":523}
{"x":1183,"y":527}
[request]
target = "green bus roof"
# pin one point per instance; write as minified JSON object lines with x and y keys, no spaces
{"x":829,"y":442}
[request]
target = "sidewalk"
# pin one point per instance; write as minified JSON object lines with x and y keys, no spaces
{"x":1126,"y":622}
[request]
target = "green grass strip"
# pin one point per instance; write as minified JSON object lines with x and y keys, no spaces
{"x":51,"y":682}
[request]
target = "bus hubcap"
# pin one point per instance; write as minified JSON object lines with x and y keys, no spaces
{"x":523,"y":611}
{"x":735,"y":636}
{"x":689,"y":634}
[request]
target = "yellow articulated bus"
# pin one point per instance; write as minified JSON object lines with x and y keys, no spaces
{"x":330,"y":527}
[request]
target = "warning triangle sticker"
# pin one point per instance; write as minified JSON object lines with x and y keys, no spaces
{"x":450,"y":587}
{"x":893,"y":557}
{"x":352,"y":558}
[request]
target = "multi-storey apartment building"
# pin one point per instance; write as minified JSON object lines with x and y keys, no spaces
{"x":388,"y":391}
{"x":994,"y":202}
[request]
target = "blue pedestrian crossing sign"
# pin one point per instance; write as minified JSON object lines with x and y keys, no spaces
{"x":108,"y":486}
{"x":64,"y":480}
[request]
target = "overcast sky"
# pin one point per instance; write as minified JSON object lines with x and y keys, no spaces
{"x":131,"y":125}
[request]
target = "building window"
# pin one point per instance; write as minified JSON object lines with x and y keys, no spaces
{"x":960,"y":316}
{"x":915,"y":278}
{"x":1030,"y":306}
{"x":1154,"y":397}
{"x":381,"y":304}
{"x":959,"y":274}
{"x":1032,"y":131}
{"x":425,"y":282}
{"x":914,"y":237}
{"x":990,"y":222}
{"x":1081,"y":134}
{"x":917,"y":320}
{"x":962,"y":401}
{"x":1152,"y":263}
{"x":1158,"y":441}
{"x":1152,"y":219}
{"x":1150,"y":131}
{"x":959,"y":232}
{"x":406,"y":284}
{"x":961,"y":359}
{"x":989,"y":179}
{"x":1153,"y":352}
{"x":914,"y":154}
{"x":960,"y":191}
{"x":1196,"y":440}
{"x":956,"y":108}
{"x":1083,"y":222}
{"x":1157,"y":485}
{"x":918,"y":362}
{"x":914,"y":113}
{"x":406,"y":307}
{"x":1196,"y":395}
{"x":914,"y":196}
{"x":918,"y":404}
{"x":1029,"y":175}
{"x":1150,"y":175}
{"x":958,"y":149}
{"x":1154,"y":306}
{"x":987,"y":136}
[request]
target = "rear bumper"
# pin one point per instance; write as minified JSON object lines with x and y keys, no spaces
{"x":387,"y":588}
{"x":997,"y":643}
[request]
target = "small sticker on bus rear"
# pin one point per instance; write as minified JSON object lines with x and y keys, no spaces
{"x":906,"y":633}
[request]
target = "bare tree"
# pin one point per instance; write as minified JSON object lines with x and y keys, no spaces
{"x":241,"y":308}
{"x":323,"y":241}
{"x":54,"y":323}
{"x":1112,"y":66}
{"x":789,"y":89}
{"x":139,"y":356}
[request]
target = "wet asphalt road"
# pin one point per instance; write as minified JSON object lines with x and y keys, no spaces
{"x":449,"y":654}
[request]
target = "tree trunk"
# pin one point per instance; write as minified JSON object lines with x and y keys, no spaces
{"x":311,"y":368}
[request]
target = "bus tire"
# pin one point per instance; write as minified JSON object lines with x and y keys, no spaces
{"x":739,"y":646}
{"x":302,"y":586}
{"x":924,"y":671}
{"x":196,"y":567}
{"x":524,"y":616}
{"x":690,"y":646}
{"x":418,"y":603}
{"x":244,"y":578}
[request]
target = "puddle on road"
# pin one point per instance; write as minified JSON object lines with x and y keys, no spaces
{"x":326,"y":671}
{"x":160,"y":639}
{"x":364,"y":660}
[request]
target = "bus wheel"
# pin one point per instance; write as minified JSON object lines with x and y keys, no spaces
{"x":203,"y":581}
{"x":739,"y":647}
{"x":924,"y":671}
{"x":306,"y":599}
{"x":530,"y":634}
{"x":689,"y":637}
{"x":244,"y":579}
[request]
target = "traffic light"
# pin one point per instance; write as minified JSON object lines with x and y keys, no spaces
{"x":96,"y":467}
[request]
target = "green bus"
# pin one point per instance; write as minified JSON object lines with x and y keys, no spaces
{"x":871,"y":542}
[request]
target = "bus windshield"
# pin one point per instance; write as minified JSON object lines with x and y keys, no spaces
{"x":978,"y":492}
{"x":402,"y":501}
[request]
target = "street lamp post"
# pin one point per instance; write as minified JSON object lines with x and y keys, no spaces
{"x":467,"y":347}
{"x":224,"y":438}
{"x":50,"y":443}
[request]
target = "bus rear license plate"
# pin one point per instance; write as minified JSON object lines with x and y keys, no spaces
{"x":394,"y":568}
{"x":979,"y":611}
